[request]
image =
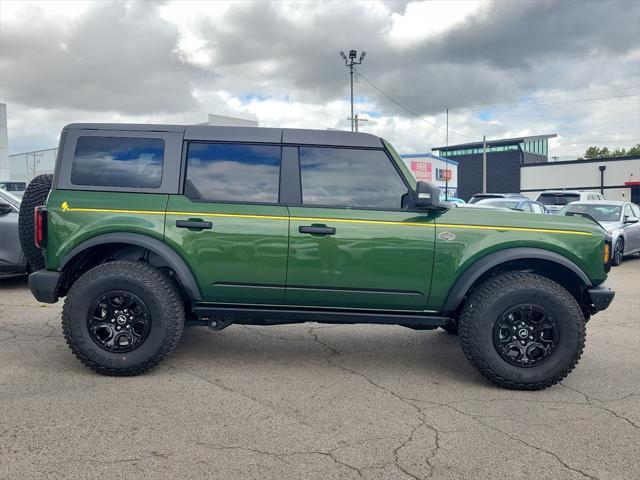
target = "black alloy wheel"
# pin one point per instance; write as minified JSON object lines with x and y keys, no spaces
{"x":118,"y":321}
{"x":525,"y":335}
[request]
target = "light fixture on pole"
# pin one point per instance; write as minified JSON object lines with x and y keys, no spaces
{"x":351,"y":62}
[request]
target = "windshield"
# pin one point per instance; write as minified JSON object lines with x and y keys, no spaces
{"x":558,"y":198}
{"x":403,"y":167}
{"x":498,"y":202}
{"x":601,"y":213}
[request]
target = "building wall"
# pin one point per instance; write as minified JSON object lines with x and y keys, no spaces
{"x":582,"y":175}
{"x":503,"y":173}
{"x":427,"y":167}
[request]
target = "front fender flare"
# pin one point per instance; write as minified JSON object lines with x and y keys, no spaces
{"x":173,"y":260}
{"x":471,"y":274}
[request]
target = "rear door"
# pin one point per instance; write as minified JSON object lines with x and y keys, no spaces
{"x":229,"y":225}
{"x":351,"y":245}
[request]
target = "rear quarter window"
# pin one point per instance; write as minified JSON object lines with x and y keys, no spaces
{"x":118,"y":162}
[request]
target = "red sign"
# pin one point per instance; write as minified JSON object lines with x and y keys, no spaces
{"x":421,"y":170}
{"x":443,"y":174}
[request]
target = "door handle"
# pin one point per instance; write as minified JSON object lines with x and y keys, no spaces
{"x":317,"y":230}
{"x":194,"y":224}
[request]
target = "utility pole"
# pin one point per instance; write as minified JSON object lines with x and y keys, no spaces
{"x":351,"y":62}
{"x":446,"y":163}
{"x":484,"y":164}
{"x":356,"y":119}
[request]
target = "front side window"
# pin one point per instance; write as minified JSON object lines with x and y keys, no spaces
{"x":233,"y":172}
{"x":344,"y":177}
{"x":627,"y":211}
{"x":118,"y":162}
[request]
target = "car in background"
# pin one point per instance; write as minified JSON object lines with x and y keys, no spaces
{"x":514,"y":203}
{"x":15,"y":188}
{"x":12,"y":260}
{"x":619,"y":219}
{"x":482,"y":196}
{"x":554,"y":200}
{"x":451,"y":199}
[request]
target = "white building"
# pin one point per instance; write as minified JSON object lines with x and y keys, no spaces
{"x":615,"y":178}
{"x":434,"y":169}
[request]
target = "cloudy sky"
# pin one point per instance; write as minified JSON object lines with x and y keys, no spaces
{"x":503,"y":68}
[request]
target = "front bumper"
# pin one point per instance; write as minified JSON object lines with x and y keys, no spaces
{"x":44,"y":285}
{"x":601,"y":297}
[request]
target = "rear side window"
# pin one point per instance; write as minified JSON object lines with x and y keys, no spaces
{"x":233,"y":172}
{"x":118,"y":162}
{"x":350,"y":178}
{"x":558,"y":198}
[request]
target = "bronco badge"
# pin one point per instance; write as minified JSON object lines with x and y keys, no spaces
{"x":446,"y":236}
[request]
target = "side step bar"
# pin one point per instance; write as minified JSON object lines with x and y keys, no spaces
{"x":221,"y":316}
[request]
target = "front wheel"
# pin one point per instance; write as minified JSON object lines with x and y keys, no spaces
{"x":122,"y":318}
{"x":522,"y":331}
{"x":618,"y":252}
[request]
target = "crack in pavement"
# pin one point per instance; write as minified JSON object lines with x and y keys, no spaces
{"x":421,"y":416}
{"x":410,"y":401}
{"x":590,"y":401}
{"x":279,"y":456}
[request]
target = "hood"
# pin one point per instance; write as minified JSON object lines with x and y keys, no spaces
{"x":611,"y":225}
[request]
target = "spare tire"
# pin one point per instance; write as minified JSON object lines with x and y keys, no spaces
{"x":34,"y":196}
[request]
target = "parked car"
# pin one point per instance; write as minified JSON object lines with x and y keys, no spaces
{"x":148,"y":228}
{"x":451,"y":199}
{"x":483,"y":196}
{"x":15,"y":188}
{"x":12,"y":260}
{"x":514,"y":203}
{"x":619,"y":219}
{"x":554,"y":200}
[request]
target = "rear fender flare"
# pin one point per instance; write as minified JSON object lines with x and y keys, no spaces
{"x":172,"y":259}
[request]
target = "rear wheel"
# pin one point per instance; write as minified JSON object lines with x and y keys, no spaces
{"x":34,"y":196}
{"x":618,"y":252}
{"x":122,"y":318}
{"x":522,"y":331}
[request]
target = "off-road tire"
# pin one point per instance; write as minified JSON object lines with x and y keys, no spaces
{"x":451,"y":327}
{"x":156,"y":289}
{"x":487,"y":303}
{"x":34,"y":196}
{"x":618,"y":252}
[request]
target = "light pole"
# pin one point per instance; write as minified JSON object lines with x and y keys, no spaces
{"x":350,"y":62}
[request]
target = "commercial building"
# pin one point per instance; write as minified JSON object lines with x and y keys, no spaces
{"x":431,"y":168}
{"x":615,"y":178}
{"x":504,"y":159}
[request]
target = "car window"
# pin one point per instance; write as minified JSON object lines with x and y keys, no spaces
{"x":636,"y":210}
{"x":349,"y":177}
{"x":526,"y":206}
{"x":233,"y":172}
{"x":498,"y":202}
{"x":558,"y":198}
{"x":600,"y":212}
{"x":118,"y":162}
{"x":627,"y":211}
{"x":536,"y":208}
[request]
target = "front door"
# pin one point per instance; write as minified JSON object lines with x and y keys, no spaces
{"x":229,"y":226}
{"x":350,"y":243}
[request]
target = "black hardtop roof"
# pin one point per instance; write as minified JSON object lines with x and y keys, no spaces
{"x":245,"y":134}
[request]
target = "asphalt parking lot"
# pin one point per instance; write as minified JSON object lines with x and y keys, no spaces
{"x":314,"y":401}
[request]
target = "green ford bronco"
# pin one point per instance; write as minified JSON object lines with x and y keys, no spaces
{"x":146,"y":229}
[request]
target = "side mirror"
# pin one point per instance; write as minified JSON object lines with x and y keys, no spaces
{"x":428,"y":197}
{"x":5,"y":208}
{"x":630,"y":219}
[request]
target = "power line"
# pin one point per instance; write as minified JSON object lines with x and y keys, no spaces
{"x":360,"y":74}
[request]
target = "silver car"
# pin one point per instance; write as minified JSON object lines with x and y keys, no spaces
{"x":12,"y":260}
{"x":619,"y":219}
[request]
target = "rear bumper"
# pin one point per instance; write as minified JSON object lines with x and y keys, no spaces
{"x":44,"y":285}
{"x":601,"y":297}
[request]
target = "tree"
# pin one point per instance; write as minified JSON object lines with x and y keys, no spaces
{"x":593,"y":153}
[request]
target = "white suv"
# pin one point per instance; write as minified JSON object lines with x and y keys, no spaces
{"x":554,"y":200}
